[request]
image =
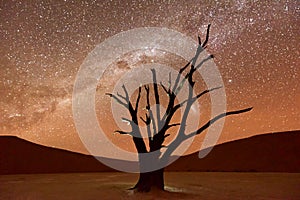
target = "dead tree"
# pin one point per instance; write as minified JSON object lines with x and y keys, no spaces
{"x":158,"y":125}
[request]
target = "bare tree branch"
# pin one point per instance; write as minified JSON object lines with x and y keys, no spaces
{"x":165,"y":89}
{"x":135,"y":132}
{"x":170,"y":81}
{"x":203,"y":61}
{"x":179,"y":75}
{"x":207,"y":36}
{"x":126,"y":93}
{"x":117,"y":99}
{"x":152,"y":119}
{"x":122,"y":97}
{"x":123,"y":132}
{"x":189,"y":75}
{"x":138,"y":99}
{"x":198,"y":96}
{"x":199,"y":40}
{"x":147,"y":121}
{"x":172,"y":125}
{"x":147,"y":96}
{"x":210,"y":122}
{"x":126,"y":120}
{"x":156,"y":95}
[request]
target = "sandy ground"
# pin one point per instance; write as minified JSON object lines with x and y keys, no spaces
{"x":179,"y":185}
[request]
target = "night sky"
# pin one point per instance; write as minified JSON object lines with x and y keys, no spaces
{"x":43,"y":43}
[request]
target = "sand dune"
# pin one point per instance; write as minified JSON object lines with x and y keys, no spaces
{"x":179,"y":185}
{"x":18,"y":156}
{"x":276,"y":152}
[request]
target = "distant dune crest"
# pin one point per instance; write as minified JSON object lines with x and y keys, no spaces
{"x":276,"y":152}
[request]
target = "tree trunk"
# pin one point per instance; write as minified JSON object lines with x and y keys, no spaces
{"x":150,"y":181}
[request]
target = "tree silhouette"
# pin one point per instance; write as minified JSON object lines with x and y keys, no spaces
{"x":158,"y":124}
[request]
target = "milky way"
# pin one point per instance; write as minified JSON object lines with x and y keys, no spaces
{"x":43,"y":44}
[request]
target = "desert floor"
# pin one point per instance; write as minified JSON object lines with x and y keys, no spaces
{"x":179,"y":185}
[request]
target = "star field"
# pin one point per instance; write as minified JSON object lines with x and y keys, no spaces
{"x":43,"y":43}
